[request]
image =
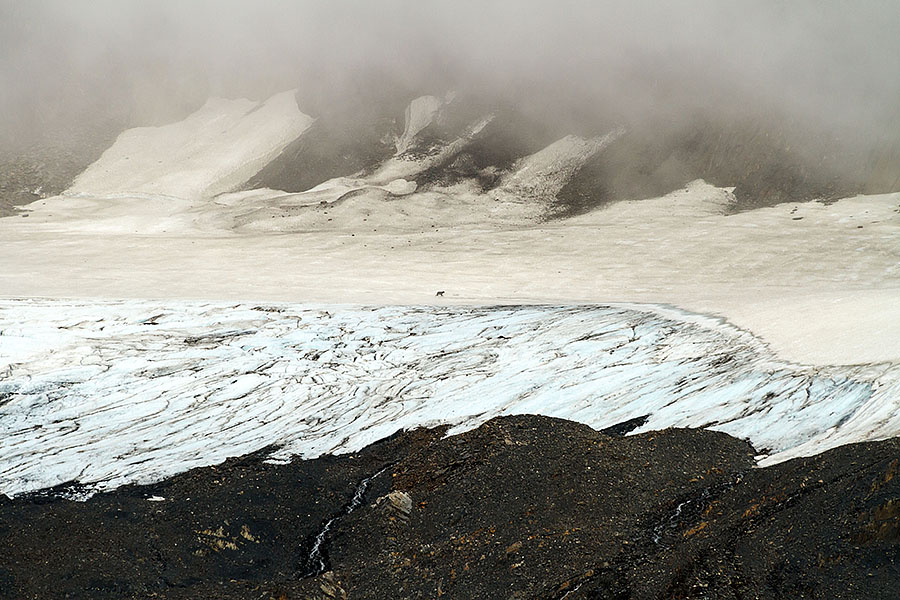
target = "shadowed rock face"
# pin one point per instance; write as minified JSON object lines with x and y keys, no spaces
{"x":6,"y":208}
{"x":46,"y":168}
{"x":766,"y":162}
{"x":335,"y":146}
{"x":360,"y":135}
{"x":767,"y":159}
{"x":522,"y":507}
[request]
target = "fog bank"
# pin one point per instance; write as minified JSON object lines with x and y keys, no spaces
{"x":151,"y":61}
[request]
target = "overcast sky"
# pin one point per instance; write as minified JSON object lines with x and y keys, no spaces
{"x":834,"y":61}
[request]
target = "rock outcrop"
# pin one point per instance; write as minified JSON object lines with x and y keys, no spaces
{"x":522,"y":507}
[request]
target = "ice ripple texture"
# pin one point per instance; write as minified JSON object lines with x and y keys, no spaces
{"x":108,"y":393}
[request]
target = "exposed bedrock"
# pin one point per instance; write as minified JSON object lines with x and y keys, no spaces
{"x":522,"y":507}
{"x":767,"y":158}
{"x":766,"y":161}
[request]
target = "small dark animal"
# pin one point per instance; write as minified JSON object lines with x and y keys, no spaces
{"x":440,"y":293}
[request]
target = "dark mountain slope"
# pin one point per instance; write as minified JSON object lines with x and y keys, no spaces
{"x":523,"y":507}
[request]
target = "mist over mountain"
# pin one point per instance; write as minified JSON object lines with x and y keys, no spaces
{"x":787,"y":100}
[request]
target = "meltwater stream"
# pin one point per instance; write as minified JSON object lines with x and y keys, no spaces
{"x":108,"y":393}
{"x":317,"y":561}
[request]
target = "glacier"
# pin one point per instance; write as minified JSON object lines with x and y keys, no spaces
{"x":778,"y":325}
{"x":113,"y":392}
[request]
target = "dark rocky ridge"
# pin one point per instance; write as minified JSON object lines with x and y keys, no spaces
{"x":47,"y":167}
{"x":6,"y":208}
{"x":346,"y":138}
{"x":523,"y":507}
{"x":766,"y":165}
{"x":768,"y":158}
{"x":37,"y":173}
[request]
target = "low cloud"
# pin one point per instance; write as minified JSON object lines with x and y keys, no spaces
{"x":831,"y":65}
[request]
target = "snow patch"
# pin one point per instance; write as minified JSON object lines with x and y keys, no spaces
{"x":543,"y":174}
{"x":213,"y":151}
{"x":420,"y":113}
{"x":407,"y":166}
